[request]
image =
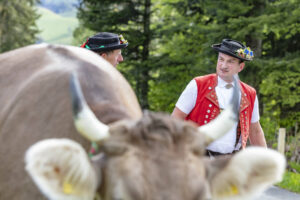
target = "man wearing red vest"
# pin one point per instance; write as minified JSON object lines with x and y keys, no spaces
{"x":206,"y":96}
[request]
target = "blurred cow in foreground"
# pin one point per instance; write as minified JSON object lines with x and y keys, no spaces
{"x":35,"y":105}
{"x":153,"y":158}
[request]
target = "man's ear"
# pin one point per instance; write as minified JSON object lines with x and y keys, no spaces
{"x":245,"y":174}
{"x":104,"y":55}
{"x":242,"y":65}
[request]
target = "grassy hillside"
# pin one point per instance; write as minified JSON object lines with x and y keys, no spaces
{"x":55,"y":29}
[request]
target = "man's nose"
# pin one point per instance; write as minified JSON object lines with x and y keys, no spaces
{"x":120,"y":58}
{"x":224,"y":65}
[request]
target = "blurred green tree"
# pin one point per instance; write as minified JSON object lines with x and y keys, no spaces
{"x":17,"y":23}
{"x":132,"y":19}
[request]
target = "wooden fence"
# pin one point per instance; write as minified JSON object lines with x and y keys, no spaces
{"x":281,"y":140}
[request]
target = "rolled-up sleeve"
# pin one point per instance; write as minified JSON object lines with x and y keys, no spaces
{"x":255,"y":112}
{"x":188,"y":97}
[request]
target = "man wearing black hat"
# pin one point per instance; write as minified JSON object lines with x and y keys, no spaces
{"x":107,"y":45}
{"x":205,"y":96}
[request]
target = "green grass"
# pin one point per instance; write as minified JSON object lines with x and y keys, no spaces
{"x":291,"y":182}
{"x":295,"y":166}
{"x":56,"y":29}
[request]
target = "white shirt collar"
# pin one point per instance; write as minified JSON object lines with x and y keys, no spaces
{"x":222,"y":83}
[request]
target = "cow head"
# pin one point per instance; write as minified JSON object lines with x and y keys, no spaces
{"x":154,"y":158}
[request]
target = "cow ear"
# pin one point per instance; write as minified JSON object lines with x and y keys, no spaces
{"x":246,"y":174}
{"x":61,"y":169}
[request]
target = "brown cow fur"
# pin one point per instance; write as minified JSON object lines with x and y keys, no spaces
{"x":35,"y":104}
{"x":155,"y":155}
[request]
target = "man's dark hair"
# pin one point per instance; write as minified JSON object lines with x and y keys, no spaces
{"x":102,"y":52}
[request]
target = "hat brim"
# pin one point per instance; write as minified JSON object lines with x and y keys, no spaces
{"x":108,"y":48}
{"x":222,"y":49}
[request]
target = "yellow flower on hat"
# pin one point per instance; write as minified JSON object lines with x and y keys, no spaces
{"x":245,"y":53}
{"x":122,"y":39}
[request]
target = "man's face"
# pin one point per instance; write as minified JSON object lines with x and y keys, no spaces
{"x":114,"y":57}
{"x":228,"y":66}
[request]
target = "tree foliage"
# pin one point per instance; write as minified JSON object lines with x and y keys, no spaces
{"x":17,"y":23}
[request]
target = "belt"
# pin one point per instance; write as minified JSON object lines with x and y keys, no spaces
{"x":213,"y":153}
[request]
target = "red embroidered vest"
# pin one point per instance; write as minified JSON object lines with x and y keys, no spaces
{"x":207,"y":105}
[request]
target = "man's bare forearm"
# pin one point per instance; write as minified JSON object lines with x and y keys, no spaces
{"x":256,"y":135}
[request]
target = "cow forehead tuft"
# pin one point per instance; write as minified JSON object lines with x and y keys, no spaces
{"x":157,"y":128}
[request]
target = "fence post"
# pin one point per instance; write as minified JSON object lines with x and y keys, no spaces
{"x":281,"y":140}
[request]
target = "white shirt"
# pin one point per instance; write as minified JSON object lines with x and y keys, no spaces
{"x":187,"y":101}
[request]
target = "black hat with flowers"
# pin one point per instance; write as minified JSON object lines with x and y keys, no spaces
{"x":234,"y":48}
{"x":105,"y":41}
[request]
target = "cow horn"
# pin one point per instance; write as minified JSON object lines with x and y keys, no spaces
{"x":85,"y":120}
{"x":225,"y":121}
